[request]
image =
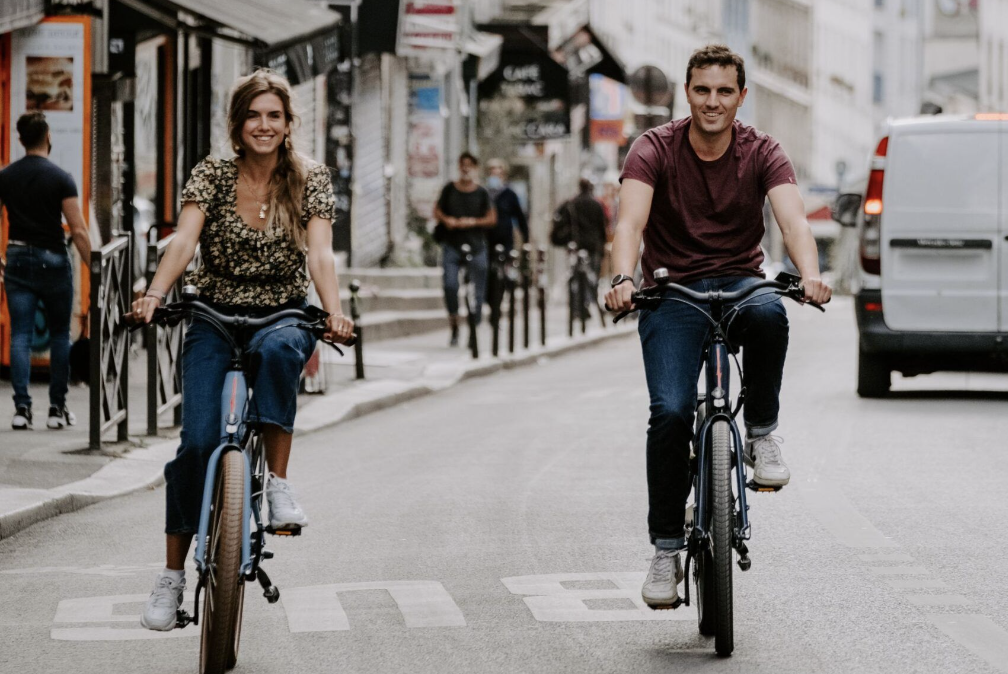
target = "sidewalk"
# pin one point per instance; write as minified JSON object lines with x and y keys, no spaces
{"x":44,"y":473}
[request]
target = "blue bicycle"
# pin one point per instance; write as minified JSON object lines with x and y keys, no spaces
{"x":718,"y":520}
{"x":230,"y":543}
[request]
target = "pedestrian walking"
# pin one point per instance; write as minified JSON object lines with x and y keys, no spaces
{"x":510,"y":215}
{"x":38,"y":196}
{"x":258,"y":219}
{"x":582,"y":219}
{"x":464,"y":210}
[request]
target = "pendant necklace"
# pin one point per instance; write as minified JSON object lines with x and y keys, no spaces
{"x":259,"y":200}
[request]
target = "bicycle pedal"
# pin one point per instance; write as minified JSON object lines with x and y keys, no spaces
{"x":272,"y":594}
{"x":670,"y":607}
{"x":293,"y":531}
{"x":751,"y":485}
{"x":267,"y":554}
{"x":182,"y":619}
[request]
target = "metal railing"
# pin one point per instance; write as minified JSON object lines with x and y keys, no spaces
{"x":164,"y":352}
{"x":111,"y":276}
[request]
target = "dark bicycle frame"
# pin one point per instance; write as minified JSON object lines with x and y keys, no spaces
{"x":723,"y":308}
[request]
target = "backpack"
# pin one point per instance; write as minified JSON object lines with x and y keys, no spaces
{"x":563,"y":225}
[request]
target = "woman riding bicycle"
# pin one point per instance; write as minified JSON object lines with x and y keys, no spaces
{"x":257,"y":218}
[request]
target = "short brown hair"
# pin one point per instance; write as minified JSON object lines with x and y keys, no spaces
{"x":32,"y":128}
{"x":716,"y":55}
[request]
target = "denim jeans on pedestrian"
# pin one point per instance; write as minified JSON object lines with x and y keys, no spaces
{"x":206,"y":359}
{"x":672,"y":339}
{"x":35,"y":274}
{"x":451,"y":261}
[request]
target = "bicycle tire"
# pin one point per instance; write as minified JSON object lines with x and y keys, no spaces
{"x":722,"y":506}
{"x":703,"y":563}
{"x":222,"y":599}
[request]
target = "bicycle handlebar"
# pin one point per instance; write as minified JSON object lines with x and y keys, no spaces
{"x":786,"y":285}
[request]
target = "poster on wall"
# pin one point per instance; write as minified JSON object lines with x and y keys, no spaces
{"x":49,"y":67}
{"x":426,"y":145}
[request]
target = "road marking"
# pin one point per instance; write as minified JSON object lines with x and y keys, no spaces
{"x":103,"y":570}
{"x":916,"y":583}
{"x":550,"y":601}
{"x":887,"y":557}
{"x":938,"y":600}
{"x":899,"y":570}
{"x":978,"y":634}
{"x":102,"y":610}
{"x":423,"y":603}
{"x":828,"y":505}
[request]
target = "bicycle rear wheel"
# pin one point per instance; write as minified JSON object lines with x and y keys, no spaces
{"x":722,"y":506}
{"x":222,"y":599}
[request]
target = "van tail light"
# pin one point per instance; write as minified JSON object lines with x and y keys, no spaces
{"x":871,"y":232}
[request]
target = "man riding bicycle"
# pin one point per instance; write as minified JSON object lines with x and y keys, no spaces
{"x":693,"y":190}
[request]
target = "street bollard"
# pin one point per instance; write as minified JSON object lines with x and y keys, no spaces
{"x":512,"y":282}
{"x":470,"y":297}
{"x":497,"y":295}
{"x":583,"y":290}
{"x":526,"y":277}
{"x":572,"y":281}
{"x":541,"y":281}
{"x":358,"y":329}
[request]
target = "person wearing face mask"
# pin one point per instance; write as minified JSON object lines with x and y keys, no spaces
{"x":510,"y":215}
{"x":466,"y":210}
{"x":38,"y":195}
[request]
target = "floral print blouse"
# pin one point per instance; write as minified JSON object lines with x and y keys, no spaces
{"x":243,"y":266}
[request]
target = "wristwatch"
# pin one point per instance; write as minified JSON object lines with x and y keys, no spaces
{"x":620,"y":278}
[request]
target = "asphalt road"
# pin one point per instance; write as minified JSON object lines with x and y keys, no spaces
{"x":500,"y":527}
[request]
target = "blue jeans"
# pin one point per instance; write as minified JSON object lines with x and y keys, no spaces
{"x":35,"y":274}
{"x":451,"y":261}
{"x":206,"y":359}
{"x":673,"y":337}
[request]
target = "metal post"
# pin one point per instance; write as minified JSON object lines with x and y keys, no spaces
{"x":497,"y":296}
{"x":150,"y":337}
{"x":470,"y":295}
{"x":541,"y":283}
{"x":582,"y":275}
{"x":526,"y":272}
{"x":95,"y":369}
{"x":125,"y":299}
{"x":358,"y":329}
{"x":512,"y":276}
{"x":571,"y":286}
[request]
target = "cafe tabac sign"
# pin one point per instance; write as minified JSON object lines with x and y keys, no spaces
{"x":528,"y":97}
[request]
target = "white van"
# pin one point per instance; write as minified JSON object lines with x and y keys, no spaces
{"x":933,"y":222}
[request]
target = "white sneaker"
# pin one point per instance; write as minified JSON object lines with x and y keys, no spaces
{"x":60,"y":418}
{"x":284,"y":511}
{"x":22,"y":419}
{"x":160,"y":611}
{"x":660,"y":590}
{"x":763,"y":453}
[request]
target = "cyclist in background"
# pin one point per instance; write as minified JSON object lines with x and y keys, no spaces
{"x":693,"y":190}
{"x":257,"y":218}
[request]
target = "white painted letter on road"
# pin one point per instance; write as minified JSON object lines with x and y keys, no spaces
{"x":101,"y":610}
{"x":567,"y":597}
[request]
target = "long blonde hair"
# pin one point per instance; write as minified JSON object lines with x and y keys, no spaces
{"x":290,"y":174}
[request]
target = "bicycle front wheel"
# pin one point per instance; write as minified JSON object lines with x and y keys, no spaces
{"x":223,"y":593}
{"x":722,"y":506}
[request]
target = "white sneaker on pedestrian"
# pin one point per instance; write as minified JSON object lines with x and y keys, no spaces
{"x":22,"y":420}
{"x":161,"y":610}
{"x":661,"y":586}
{"x":60,"y":418}
{"x":284,"y":511}
{"x":764,"y":455}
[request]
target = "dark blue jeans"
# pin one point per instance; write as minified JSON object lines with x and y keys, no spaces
{"x":206,"y":360}
{"x":35,"y":274}
{"x":673,"y":337}
{"x":451,"y":261}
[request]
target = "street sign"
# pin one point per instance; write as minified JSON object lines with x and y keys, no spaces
{"x":650,"y":87}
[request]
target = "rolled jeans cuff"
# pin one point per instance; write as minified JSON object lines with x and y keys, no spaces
{"x":760,"y":431}
{"x":678,"y":543}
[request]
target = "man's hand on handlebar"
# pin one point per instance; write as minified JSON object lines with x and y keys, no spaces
{"x":339,"y":328}
{"x":816,"y":290}
{"x":620,"y":298}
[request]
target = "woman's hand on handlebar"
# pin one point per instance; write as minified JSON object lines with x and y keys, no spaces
{"x":142,"y":310}
{"x":339,"y":328}
{"x":620,"y":298}
{"x":816,"y":290}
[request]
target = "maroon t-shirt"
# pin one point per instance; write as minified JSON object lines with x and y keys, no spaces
{"x":706,"y":216}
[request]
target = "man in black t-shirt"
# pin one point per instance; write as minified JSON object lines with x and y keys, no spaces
{"x":38,"y":195}
{"x":466,"y":211}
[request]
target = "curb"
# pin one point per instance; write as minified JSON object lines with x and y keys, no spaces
{"x":144,"y":468}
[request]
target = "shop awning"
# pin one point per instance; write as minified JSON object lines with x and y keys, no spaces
{"x":268,"y":23}
{"x":486,"y":47}
{"x":584,"y":54}
{"x":16,"y":14}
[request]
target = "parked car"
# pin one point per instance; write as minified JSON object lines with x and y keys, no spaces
{"x":932,"y":292}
